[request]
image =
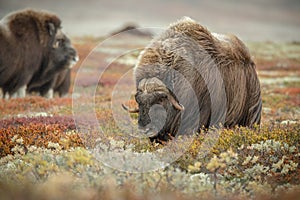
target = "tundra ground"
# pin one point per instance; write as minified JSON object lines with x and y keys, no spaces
{"x":45,"y":156}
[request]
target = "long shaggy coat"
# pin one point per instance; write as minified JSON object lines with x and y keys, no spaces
{"x":212,"y":76}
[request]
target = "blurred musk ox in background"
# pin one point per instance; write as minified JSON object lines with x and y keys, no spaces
{"x":34,"y":52}
{"x":189,"y":78}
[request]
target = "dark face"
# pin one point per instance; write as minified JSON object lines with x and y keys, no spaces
{"x":157,"y":114}
{"x":62,"y":54}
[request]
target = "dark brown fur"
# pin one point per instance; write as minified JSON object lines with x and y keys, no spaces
{"x":62,"y":83}
{"x":59,"y":84}
{"x":218,"y":69}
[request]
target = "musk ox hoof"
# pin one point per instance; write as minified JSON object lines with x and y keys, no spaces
{"x":161,"y":138}
{"x":74,"y":61}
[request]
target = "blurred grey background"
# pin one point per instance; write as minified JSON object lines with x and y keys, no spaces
{"x":255,"y":20}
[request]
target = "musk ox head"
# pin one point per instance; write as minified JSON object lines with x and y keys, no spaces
{"x":159,"y":110}
{"x":62,"y":54}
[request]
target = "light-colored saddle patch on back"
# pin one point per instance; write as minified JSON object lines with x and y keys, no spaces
{"x":221,"y":37}
{"x":4,"y":26}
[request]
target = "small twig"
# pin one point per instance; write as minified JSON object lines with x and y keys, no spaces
{"x":215,"y":180}
{"x":158,"y":182}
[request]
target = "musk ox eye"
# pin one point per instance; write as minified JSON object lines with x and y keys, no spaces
{"x":163,"y":96}
{"x":138,"y":99}
{"x":58,"y":43}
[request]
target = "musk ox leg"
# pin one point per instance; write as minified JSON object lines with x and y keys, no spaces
{"x":3,"y":94}
{"x":63,"y":83}
{"x":62,"y":95}
{"x":20,"y":93}
{"x":6,"y":95}
{"x":49,"y":94}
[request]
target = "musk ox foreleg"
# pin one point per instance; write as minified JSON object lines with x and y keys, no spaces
{"x":63,"y":83}
{"x":47,"y":90}
{"x":49,"y":94}
{"x":20,"y":93}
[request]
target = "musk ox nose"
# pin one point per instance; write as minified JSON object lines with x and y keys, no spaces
{"x":75,"y":60}
{"x":145,"y":126}
{"x":74,"y":57}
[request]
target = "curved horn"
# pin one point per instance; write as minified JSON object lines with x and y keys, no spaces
{"x":156,"y":85}
{"x":177,"y":105}
{"x":135,"y":110}
{"x":171,"y":98}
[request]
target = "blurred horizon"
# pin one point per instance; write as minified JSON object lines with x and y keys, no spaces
{"x":268,"y":20}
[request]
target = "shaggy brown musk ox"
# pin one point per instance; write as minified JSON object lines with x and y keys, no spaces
{"x":33,"y":49}
{"x":188,"y":78}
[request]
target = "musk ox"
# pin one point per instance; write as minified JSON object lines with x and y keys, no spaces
{"x":188,"y":78}
{"x":33,"y":50}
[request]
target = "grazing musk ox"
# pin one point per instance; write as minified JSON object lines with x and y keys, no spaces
{"x":33,"y":50}
{"x":188,"y":78}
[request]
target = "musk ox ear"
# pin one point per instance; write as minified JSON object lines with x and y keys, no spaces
{"x":51,"y":28}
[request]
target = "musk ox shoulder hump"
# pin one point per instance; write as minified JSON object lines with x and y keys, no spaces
{"x":41,"y":15}
{"x":224,"y":48}
{"x":4,"y":24}
{"x":18,"y":22}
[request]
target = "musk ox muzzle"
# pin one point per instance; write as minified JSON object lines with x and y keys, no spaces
{"x":64,"y":54}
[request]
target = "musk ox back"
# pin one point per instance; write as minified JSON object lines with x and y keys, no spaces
{"x":33,"y":50}
{"x":188,"y":78}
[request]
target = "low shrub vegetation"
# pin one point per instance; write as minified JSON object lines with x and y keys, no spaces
{"x":44,"y":155}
